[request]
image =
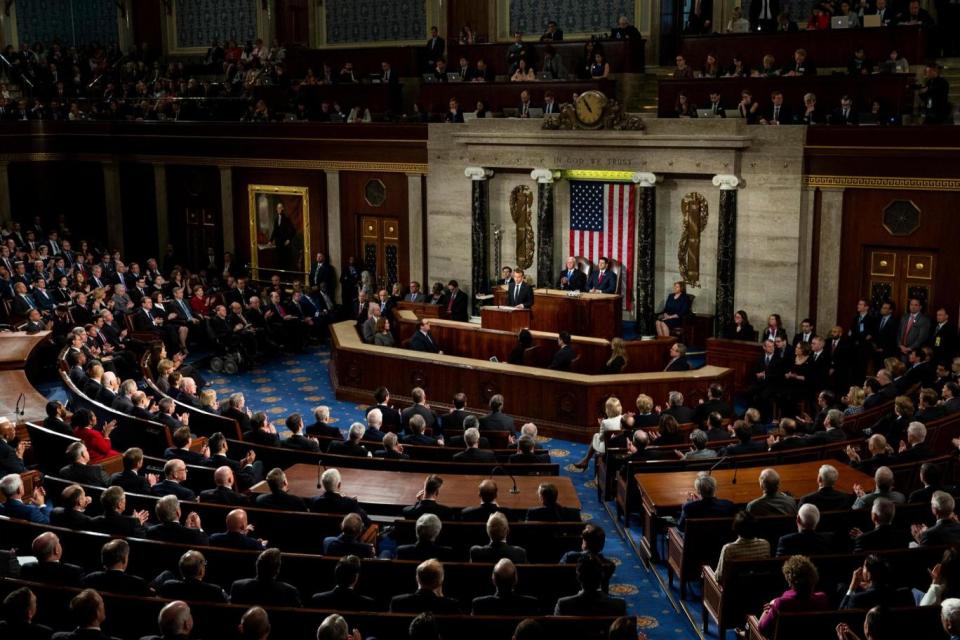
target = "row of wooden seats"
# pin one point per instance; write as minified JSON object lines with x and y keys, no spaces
{"x":309,"y":573}
{"x":913,"y":622}
{"x":126,"y":616}
{"x":728,"y":603}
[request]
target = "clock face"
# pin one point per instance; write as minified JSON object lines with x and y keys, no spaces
{"x":590,"y":106}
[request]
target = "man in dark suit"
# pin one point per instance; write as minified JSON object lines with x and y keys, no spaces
{"x":496,"y":420}
{"x":281,"y":237}
{"x":265,"y":589}
{"x":348,"y":542}
{"x":714,"y":403}
{"x":678,"y":358}
{"x":526,"y":452}
{"x":89,"y":612}
{"x":114,"y":556}
{"x":571,"y":278}
{"x":883,"y":535}
{"x":332,"y":501}
{"x":391,"y":417}
{"x":80,"y":470}
{"x":428,"y":530}
{"x":872,"y":585}
{"x":419,"y":408}
{"x":434,"y":49}
{"x":826,"y":498}
{"x":296,"y":440}
{"x":351,"y":446}
{"x":563,"y":359}
{"x":237,"y":533}
{"x":174,"y":474}
{"x":170,"y":529}
{"x":457,"y":415}
{"x":763,"y":15}
{"x":704,"y":503}
{"x":845,"y":114}
{"x":806,"y":541}
{"x":49,"y":568}
{"x":519,"y":293}
{"x":343,"y":597}
{"x":591,"y":600}
{"x":427,"y":596}
{"x":776,"y":113}
{"x":505,"y":601}
{"x":603,"y":280}
{"x":550,"y":510}
{"x":914,"y":329}
{"x":488,"y":503}
{"x":422,"y":341}
{"x":944,"y":338}
{"x":428,"y":501}
{"x":456,"y":303}
{"x":497,"y":529}
{"x":223,"y":492}
{"x":676,"y":408}
{"x":392,"y":449}
{"x":885,"y":342}
{"x":416,"y":436}
{"x":279,"y":498}
{"x":190,"y":586}
{"x":946,"y":531}
{"x":473,"y":452}
{"x":114,"y":520}
{"x":130,"y":479}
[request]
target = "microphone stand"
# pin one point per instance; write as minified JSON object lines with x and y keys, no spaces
{"x":515,"y":490}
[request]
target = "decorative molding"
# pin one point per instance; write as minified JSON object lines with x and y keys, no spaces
{"x":726,"y":182}
{"x":544,"y":176}
{"x":478,"y":173}
{"x":643,"y":179}
{"x":596,"y":174}
{"x":875,"y":182}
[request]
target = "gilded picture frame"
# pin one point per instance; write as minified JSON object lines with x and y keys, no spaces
{"x":279,"y":232}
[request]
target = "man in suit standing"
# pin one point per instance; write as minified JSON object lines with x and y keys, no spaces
{"x":563,"y":359}
{"x":944,"y":338}
{"x":571,"y":278}
{"x":914,"y":328}
{"x":323,"y":272}
{"x":456,"y":302}
{"x":678,"y":358}
{"x":885,"y":340}
{"x":700,"y":19}
{"x":763,"y":15}
{"x":434,"y":49}
{"x":603,"y":280}
{"x":519,"y":293}
{"x":414,"y":294}
{"x":421,"y":340}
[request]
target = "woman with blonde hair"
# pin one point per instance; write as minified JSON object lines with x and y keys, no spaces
{"x":613,"y":411}
{"x":853,"y":400}
{"x":618,"y":357}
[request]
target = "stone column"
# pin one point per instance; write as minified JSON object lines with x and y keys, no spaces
{"x":6,"y":208}
{"x":415,"y":229}
{"x":726,"y":251}
{"x":163,"y":212}
{"x":334,"y":252}
{"x":114,"y":207}
{"x":828,"y":259}
{"x":227,"y":214}
{"x":646,"y":266}
{"x":546,"y":248}
{"x":480,"y":226}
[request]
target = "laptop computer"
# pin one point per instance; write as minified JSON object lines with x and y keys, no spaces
{"x":545,"y":75}
{"x":468,"y":116}
{"x":839,"y":22}
{"x":429,"y":77}
{"x":534,"y":112}
{"x":453,"y":76}
{"x":511,"y":112}
{"x":706,"y":113}
{"x":732,"y":113}
{"x":872,"y":21}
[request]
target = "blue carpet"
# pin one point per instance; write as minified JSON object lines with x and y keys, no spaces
{"x":300,"y":383}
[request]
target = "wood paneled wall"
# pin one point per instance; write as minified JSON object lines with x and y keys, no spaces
{"x":138,"y":200}
{"x":48,"y":189}
{"x":194,"y":188}
{"x":353,"y":206}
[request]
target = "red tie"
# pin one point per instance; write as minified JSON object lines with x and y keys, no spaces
{"x":450,"y":304}
{"x":906,"y":331}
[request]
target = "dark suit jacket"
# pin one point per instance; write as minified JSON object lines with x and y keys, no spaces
{"x":264,"y":593}
{"x":113,"y":581}
{"x":805,"y":543}
{"x":235,"y":540}
{"x":424,"y":551}
{"x":322,"y":429}
{"x":520,"y":295}
{"x":883,"y":537}
{"x":429,"y":506}
{"x":872,"y":597}
{"x":130,"y":482}
{"x":563,"y":359}
{"x":459,"y":310}
{"x":176,"y":532}
{"x":223,"y":495}
{"x":429,"y":417}
{"x":479,"y":513}
{"x":341,"y":599}
{"x":595,"y":603}
{"x":577,"y":281}
{"x":344,"y":448}
{"x":336,"y":503}
{"x":344,"y":545}
{"x":114,"y":523}
{"x":705,"y":508}
{"x":497,"y":421}
{"x":828,"y":499}
{"x":191,"y":590}
{"x":71,"y":519}
{"x":92,"y":474}
{"x":167,"y":487}
{"x":300,"y":442}
{"x":944,"y":532}
{"x":420,"y":342}
{"x":60,"y":573}
{"x":82,"y":634}
{"x":421,"y":601}
{"x":494,"y":552}
{"x":391,"y":417}
{"x":282,"y":501}
{"x":555,"y":513}
{"x":679,"y":364}
{"x":475,"y":455}
{"x":505,"y":604}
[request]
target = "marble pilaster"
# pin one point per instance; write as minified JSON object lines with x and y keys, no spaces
{"x":480,"y":227}
{"x":726,"y":251}
{"x":226,"y":209}
{"x":415,"y":225}
{"x":546,"y":248}
{"x":334,"y":254}
{"x":646,"y":252}
{"x":828,"y":258}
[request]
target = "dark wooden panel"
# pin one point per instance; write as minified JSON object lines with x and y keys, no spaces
{"x":828,"y":48}
{"x":468,"y":12}
{"x":148,"y":17}
{"x":196,"y":189}
{"x":624,"y":57}
{"x":738,"y":355}
{"x":49,"y":189}
{"x":927,"y":152}
{"x":500,"y":95}
{"x":891,"y":90}
{"x":597,"y":315}
{"x":139,"y":205}
{"x":939,"y":232}
{"x":353,"y":205}
{"x":293,"y":22}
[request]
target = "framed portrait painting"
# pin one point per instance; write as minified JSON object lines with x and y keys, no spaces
{"x":279,"y":231}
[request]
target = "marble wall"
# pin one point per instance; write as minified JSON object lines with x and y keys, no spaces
{"x":772,"y":233}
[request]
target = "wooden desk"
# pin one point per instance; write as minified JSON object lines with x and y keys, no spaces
{"x":16,"y":347}
{"x":739,"y":355}
{"x":391,"y":489}
{"x":599,"y":315}
{"x":829,"y":48}
{"x":499,"y":95}
{"x":890,"y":89}
{"x":503,"y":318}
{"x":422,"y":309}
{"x":624,"y":56}
{"x":562,"y":404}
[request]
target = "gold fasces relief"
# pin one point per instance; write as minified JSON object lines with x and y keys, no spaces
{"x":694,"y":211}
{"x":521,"y":203}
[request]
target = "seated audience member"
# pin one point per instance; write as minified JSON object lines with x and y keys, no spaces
{"x":130,"y":479}
{"x":254,"y":624}
{"x":422,"y":341}
{"x":247,"y":470}
{"x":473,"y":452}
{"x":550,"y":510}
{"x":296,"y":440}
{"x":343,"y":597}
{"x":169,"y":528}
{"x":114,"y":521}
{"x":699,"y":449}
{"x":223,"y":492}
{"x":374,"y":430}
{"x":592,"y":540}
{"x":265,"y":588}
{"x":564,"y":357}
{"x":773,"y":501}
{"x":883,"y":481}
{"x":190,"y":586}
{"x":748,"y":109}
{"x":36,"y":510}
{"x":80,"y":470}
{"x":235,"y":407}
{"x":519,"y":351}
{"x":747,"y":546}
{"x":74,"y":501}
{"x":322,"y":426}
{"x":826,"y":498}
{"x":944,"y":580}
{"x":181,"y":449}
{"x":801,"y":576}
{"x":931,"y":477}
{"x":800,"y":66}
{"x":428,"y":530}
{"x":331,"y":501}
{"x":883,"y":535}
{"x":392,"y":449}
{"x":19,"y":609}
{"x":279,"y":498}
{"x":746,"y":443}
{"x":526,"y":451}
{"x":505,"y":601}
{"x":497,"y":529}
{"x":351,"y":446}
{"x":114,"y":556}
{"x":98,"y":443}
{"x":915,"y":448}
{"x":592,"y":600}
{"x":676,"y":408}
{"x":348,"y":542}
{"x":946,"y":531}
{"x":871,"y":586}
{"x":237,"y":534}
{"x":678,"y":359}
{"x":704,"y":503}
{"x":88,"y":611}
{"x":881,"y":454}
{"x":714,"y":403}
{"x":429,"y":594}
{"x":49,"y":566}
{"x":56,"y":418}
{"x":174,"y":473}
{"x":777,"y":113}
{"x":262,"y":431}
{"x":806,"y":541}
{"x":428,"y":501}
{"x":488,"y":503}
{"x":496,"y":420}
{"x":416,"y":436}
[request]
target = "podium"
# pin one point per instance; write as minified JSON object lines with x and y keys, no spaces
{"x":505,"y":318}
{"x":595,"y":315}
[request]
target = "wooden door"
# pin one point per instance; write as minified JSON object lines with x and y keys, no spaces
{"x":898,"y":275}
{"x":380,"y":248}
{"x":293,"y":22}
{"x":202,"y":232}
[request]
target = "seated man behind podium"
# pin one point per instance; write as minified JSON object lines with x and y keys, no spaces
{"x":343,"y":597}
{"x":416,"y":435}
{"x":422,"y":341}
{"x":428,"y":530}
{"x":603,"y":280}
{"x":488,"y":503}
{"x":505,"y":602}
{"x":497,"y":529}
{"x":428,"y":501}
{"x":519,"y":293}
{"x":550,"y":510}
{"x":526,"y":451}
{"x":473,"y":452}
{"x":563,"y":359}
{"x":429,"y":594}
{"x":331,"y":501}
{"x":571,"y":278}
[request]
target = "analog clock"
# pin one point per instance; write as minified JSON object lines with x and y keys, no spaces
{"x":590,"y":107}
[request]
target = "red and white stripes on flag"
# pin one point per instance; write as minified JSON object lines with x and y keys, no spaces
{"x":603,"y":225}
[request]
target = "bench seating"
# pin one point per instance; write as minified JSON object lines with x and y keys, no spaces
{"x":913,"y":622}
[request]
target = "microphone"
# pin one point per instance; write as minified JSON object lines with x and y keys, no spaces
{"x":735,"y":469}
{"x":320,"y":469}
{"x":717,"y":464}
{"x":21,"y":407}
{"x":515,"y":490}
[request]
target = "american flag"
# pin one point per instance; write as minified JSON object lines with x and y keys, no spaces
{"x":603,"y":225}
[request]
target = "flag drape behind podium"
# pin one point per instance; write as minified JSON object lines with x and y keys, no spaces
{"x":603,"y":225}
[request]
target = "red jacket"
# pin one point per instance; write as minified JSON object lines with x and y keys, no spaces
{"x":98,"y":446}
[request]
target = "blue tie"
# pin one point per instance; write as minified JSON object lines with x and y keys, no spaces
{"x":186,"y":310}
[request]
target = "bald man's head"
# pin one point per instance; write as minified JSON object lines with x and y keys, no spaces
{"x":223,"y":477}
{"x":237,"y":521}
{"x":255,"y":624}
{"x":505,"y":575}
{"x":175,"y":620}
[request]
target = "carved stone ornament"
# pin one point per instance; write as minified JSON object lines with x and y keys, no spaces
{"x":521,"y":201}
{"x":901,"y":218}
{"x":613,"y":117}
{"x":694,"y":213}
